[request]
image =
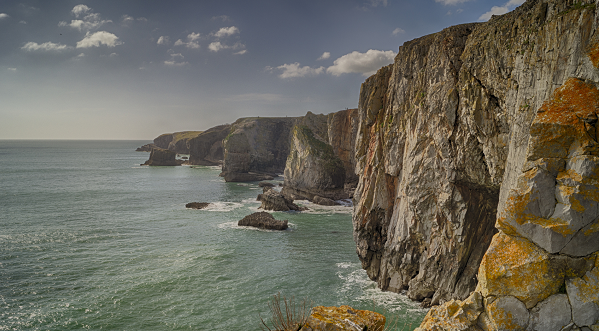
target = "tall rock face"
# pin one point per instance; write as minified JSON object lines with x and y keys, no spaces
{"x":207,"y":147}
{"x":256,"y":148}
{"x":176,"y":142}
{"x":321,"y":160}
{"x":477,"y":126}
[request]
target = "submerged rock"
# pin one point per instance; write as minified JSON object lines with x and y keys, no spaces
{"x":263,"y":220}
{"x":197,"y":205}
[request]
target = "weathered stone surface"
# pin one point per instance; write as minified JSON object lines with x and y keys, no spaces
{"x":207,"y":147}
{"x":508,"y":313}
{"x":552,"y":314}
{"x":313,"y":168}
{"x":516,"y":267}
{"x":342,"y":129}
{"x":323,"y":201}
{"x":583,"y":294}
{"x":273,"y":200}
{"x":162,"y":157}
{"x":477,"y":119}
{"x":197,"y":205}
{"x":263,"y":220}
{"x":454,"y":315}
{"x":256,"y":145}
{"x":146,"y":148}
{"x":343,"y":318}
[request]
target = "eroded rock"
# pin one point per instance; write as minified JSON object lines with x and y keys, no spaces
{"x":343,"y":318}
{"x":263,"y":220}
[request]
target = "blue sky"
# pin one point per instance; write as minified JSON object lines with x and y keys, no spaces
{"x":133,"y":69}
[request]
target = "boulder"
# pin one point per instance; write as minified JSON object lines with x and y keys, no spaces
{"x":263,"y":220}
{"x":552,"y":314}
{"x":324,"y":201}
{"x":197,"y":205}
{"x":266,"y":184}
{"x":273,"y":200}
{"x":454,"y":315}
{"x":343,"y":318}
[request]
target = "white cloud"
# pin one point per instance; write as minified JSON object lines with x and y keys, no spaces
{"x":241,"y":52}
{"x":3,"y":16}
{"x":398,"y":31}
{"x":173,"y":63}
{"x":89,"y":22}
{"x":376,"y":3}
{"x":364,"y":63}
{"x":191,"y":41}
{"x":80,"y":10}
{"x":293,"y":70}
{"x":23,"y":22}
{"x":81,"y":55}
{"x":127,"y":19}
{"x":495,"y":10}
{"x":324,"y":56}
{"x":163,"y":40}
{"x":216,"y":46}
{"x":12,"y":69}
{"x":225,"y":32}
{"x":451,"y":2}
{"x":45,"y":47}
{"x":98,"y":38}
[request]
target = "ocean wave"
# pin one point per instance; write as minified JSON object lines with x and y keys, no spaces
{"x":223,"y":206}
{"x":318,"y":209}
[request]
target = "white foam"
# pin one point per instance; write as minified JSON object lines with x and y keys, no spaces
{"x":318,"y":209}
{"x":233,"y":225}
{"x":223,"y":206}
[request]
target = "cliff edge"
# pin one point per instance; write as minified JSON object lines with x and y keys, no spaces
{"x":478,"y":141}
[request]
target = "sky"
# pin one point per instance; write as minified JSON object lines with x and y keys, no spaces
{"x":134,"y":69}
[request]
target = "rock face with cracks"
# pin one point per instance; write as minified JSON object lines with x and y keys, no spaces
{"x":484,"y":138}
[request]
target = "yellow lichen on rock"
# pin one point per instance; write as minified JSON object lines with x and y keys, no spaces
{"x":514,"y":266}
{"x":454,"y":315}
{"x":343,"y":318}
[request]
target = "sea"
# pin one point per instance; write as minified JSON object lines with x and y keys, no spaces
{"x":89,"y":239}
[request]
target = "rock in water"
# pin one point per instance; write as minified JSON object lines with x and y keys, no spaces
{"x":343,"y":318}
{"x":324,"y":201}
{"x":162,"y":157}
{"x":263,"y":220}
{"x":273,"y":200}
{"x":197,"y":205}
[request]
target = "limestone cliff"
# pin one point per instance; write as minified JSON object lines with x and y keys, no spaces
{"x":472,"y":122}
{"x":176,"y":142}
{"x":162,"y":157}
{"x":321,"y":159}
{"x":256,"y":148}
{"x":207,"y":147}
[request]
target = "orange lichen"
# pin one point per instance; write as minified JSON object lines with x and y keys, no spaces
{"x":594,"y":55}
{"x":340,"y":315}
{"x":514,"y":266}
{"x":592,"y":229}
{"x":560,"y":120}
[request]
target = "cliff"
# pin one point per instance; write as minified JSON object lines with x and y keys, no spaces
{"x":256,"y":148}
{"x":472,"y":122}
{"x":162,"y":157}
{"x":207,"y":147}
{"x":321,"y":159}
{"x":176,"y":142}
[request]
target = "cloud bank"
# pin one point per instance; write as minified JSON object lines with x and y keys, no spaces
{"x":451,"y":2}
{"x":293,"y":70}
{"x":45,"y":47}
{"x":99,"y":38}
{"x":363,"y":63}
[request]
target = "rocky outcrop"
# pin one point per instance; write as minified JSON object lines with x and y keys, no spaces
{"x":273,"y":200}
{"x":343,"y":318}
{"x":263,"y":220}
{"x":176,"y":142}
{"x":321,"y":158}
{"x":313,"y":168}
{"x":207,"y":147}
{"x":256,"y":148}
{"x":146,"y":148}
{"x":197,"y":205}
{"x":477,"y":125}
{"x":162,"y":157}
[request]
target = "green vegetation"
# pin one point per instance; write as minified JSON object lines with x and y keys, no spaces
{"x":577,"y":6}
{"x":185,"y":135}
{"x":324,"y":151}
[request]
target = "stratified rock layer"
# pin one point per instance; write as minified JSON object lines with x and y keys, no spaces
{"x":207,"y":147}
{"x":478,"y":120}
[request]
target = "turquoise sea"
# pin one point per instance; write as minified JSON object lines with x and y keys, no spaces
{"x":91,"y":240}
